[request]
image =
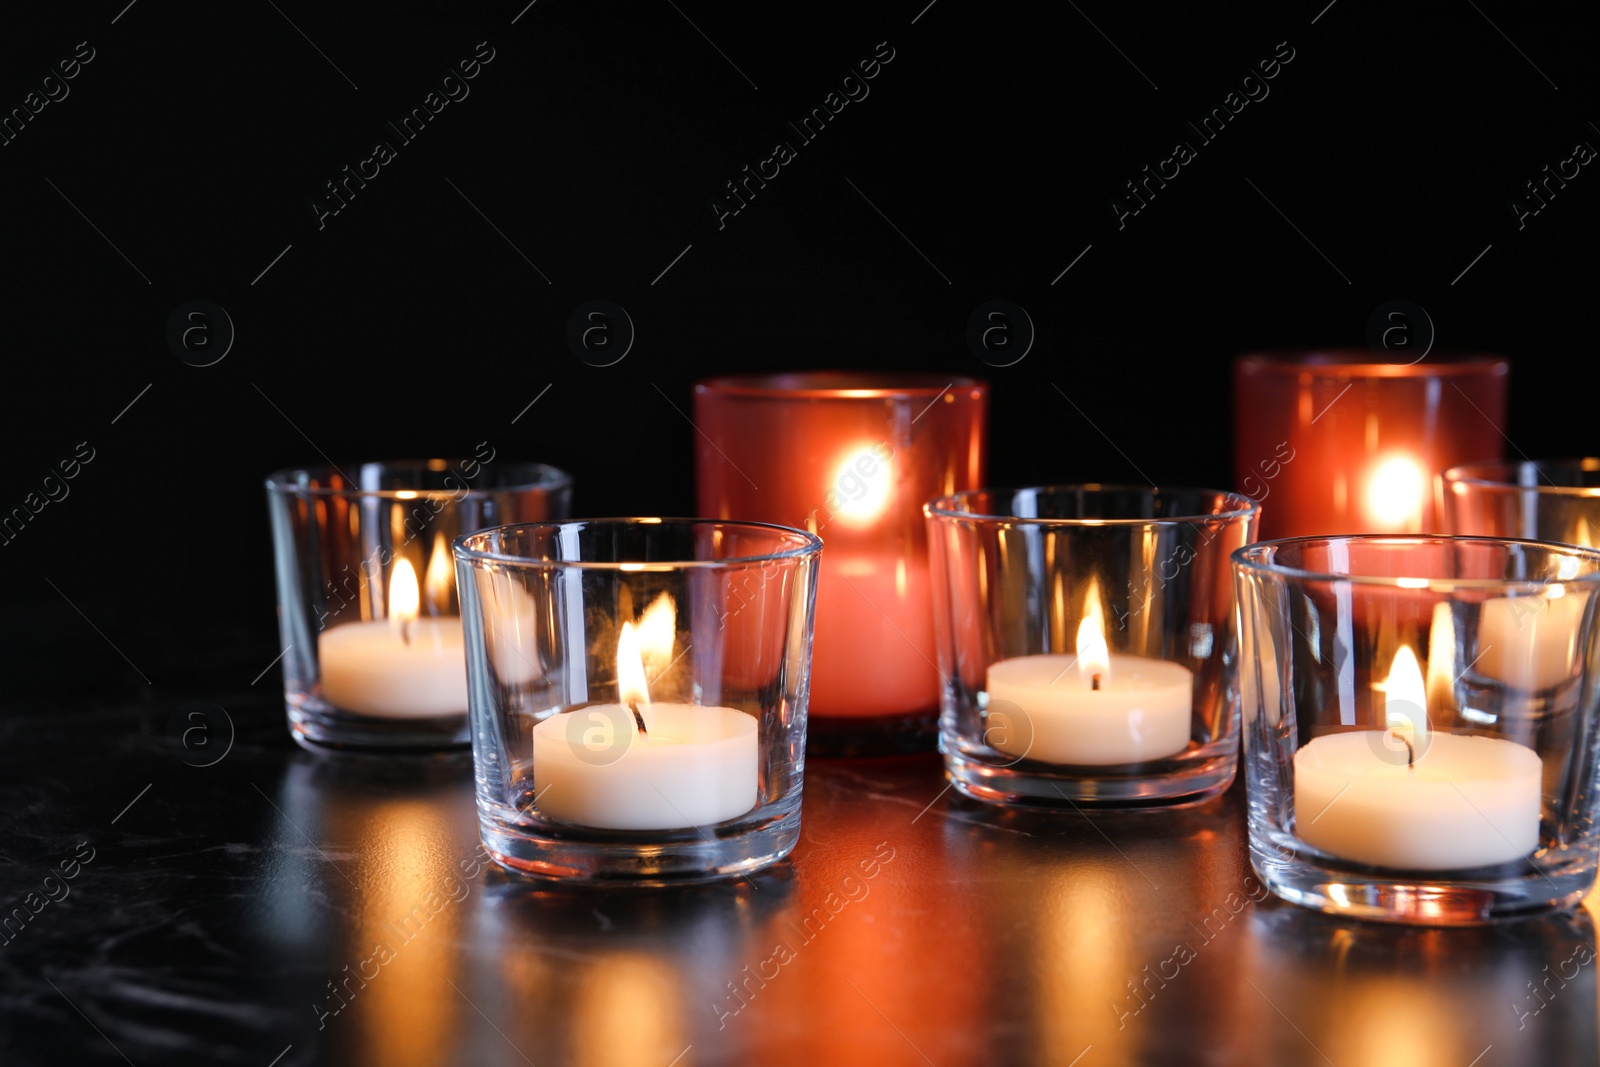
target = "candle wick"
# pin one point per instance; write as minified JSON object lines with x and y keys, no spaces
{"x":638,"y":719}
{"x":1411,"y":752}
{"x":1094,"y":682}
{"x":405,"y":631}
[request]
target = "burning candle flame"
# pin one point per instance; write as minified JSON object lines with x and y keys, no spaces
{"x":860,"y":487}
{"x":403,"y":597}
{"x":1094,"y":658}
{"x":403,"y":594}
{"x":1404,"y":697}
{"x":1395,"y":493}
{"x":632,"y":689}
{"x":439,"y":578}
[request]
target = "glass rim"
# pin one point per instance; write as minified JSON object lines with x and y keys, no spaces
{"x":942,"y":507}
{"x":1477,"y":474}
{"x":545,"y":476}
{"x":837,"y":385}
{"x":808,"y":546}
{"x":1250,"y":558}
{"x":1363,"y":363}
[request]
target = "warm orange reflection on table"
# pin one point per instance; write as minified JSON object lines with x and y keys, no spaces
{"x":628,"y":1013}
{"x":867,"y":938}
{"x":1080,"y":922}
{"x":387,"y":987}
{"x":1392,"y":996}
{"x":407,"y":1009}
{"x":992,"y":936}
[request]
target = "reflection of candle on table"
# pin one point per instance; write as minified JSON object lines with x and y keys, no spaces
{"x":1092,"y":708}
{"x":1531,"y":641}
{"x":635,"y":765}
{"x":401,"y":667}
{"x":1409,"y":798}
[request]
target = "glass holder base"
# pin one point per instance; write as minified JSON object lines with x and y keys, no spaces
{"x":1421,"y":898}
{"x":1028,"y":783}
{"x":340,"y":731}
{"x":618,"y":858}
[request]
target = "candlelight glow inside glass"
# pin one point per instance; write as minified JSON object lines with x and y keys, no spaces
{"x":1419,"y":724}
{"x":1086,"y":642}
{"x":1340,"y":442}
{"x":638,"y":692}
{"x":367,"y":607}
{"x":1538,"y":500}
{"x":851,"y":457}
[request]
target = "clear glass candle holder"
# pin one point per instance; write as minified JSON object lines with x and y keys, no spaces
{"x":1420,"y":724}
{"x":638,"y":692}
{"x":367,"y":607}
{"x":851,"y":457}
{"x":1537,"y":500}
{"x":1340,"y":442}
{"x":1086,"y":642}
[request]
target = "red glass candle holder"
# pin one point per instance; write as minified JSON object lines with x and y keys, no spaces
{"x":1338,"y":442}
{"x":851,"y":457}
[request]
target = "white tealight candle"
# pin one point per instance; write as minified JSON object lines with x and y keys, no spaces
{"x":1093,"y":708}
{"x":686,"y":766}
{"x":696,"y":766}
{"x":401,"y":667}
{"x":1530,"y":642}
{"x":1410,"y":799}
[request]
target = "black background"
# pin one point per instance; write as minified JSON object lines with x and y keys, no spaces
{"x":592,"y":145}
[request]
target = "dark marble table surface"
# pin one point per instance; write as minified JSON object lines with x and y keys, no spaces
{"x":277,"y":907}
